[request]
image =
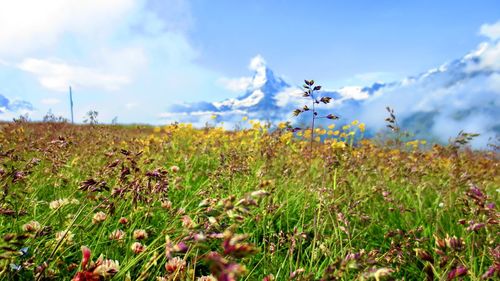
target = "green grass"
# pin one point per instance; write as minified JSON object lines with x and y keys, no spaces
{"x":378,"y":201}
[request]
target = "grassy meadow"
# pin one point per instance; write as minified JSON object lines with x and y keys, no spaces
{"x":96,"y":202}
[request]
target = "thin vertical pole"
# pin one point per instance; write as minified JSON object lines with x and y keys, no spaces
{"x":71,"y":104}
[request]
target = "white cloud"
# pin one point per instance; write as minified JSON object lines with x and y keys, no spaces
{"x":258,"y":65}
{"x":494,"y":82}
{"x":29,"y":25}
{"x":353,"y":92}
{"x":489,"y":57}
{"x":289,"y":97}
{"x":491,"y":30}
{"x":58,"y":76}
{"x":236,"y":84}
{"x":50,"y":101}
{"x":169,"y":15}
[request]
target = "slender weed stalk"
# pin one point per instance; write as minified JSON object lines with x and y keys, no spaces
{"x":312,"y":92}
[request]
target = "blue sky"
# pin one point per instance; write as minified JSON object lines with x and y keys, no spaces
{"x":132,"y":59}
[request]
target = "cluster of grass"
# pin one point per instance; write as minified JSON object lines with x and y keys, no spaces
{"x":177,"y":203}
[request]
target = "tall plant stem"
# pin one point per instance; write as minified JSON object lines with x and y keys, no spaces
{"x":312,"y":123}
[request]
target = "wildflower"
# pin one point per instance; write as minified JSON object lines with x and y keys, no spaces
{"x":233,"y":245}
{"x":140,"y":234}
{"x":424,"y":255}
{"x":106,"y":268}
{"x":199,"y":237}
{"x":175,"y":264}
{"x":362,"y":127}
{"x":117,"y":235}
{"x":181,"y":247}
{"x":32,"y":227}
{"x":458,"y":271}
{"x":213,"y":117}
{"x":59,"y":203}
{"x":355,"y":122}
{"x":137,"y":248}
{"x":269,"y":277}
{"x":338,"y":144}
{"x":440,"y":243}
{"x":454,"y":243}
{"x":222,"y":269}
{"x":166,"y":204}
{"x":282,"y":125}
{"x":65,"y":236}
{"x":187,"y":222}
{"x":174,"y":169}
{"x":123,"y":220}
{"x":331,"y":126}
{"x":296,"y":273}
{"x":475,"y":226}
{"x":245,"y":118}
{"x":98,"y":217}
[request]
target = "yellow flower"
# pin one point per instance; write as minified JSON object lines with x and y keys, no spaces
{"x":213,"y":117}
{"x":346,"y":127}
{"x":245,"y":118}
{"x":339,"y":144}
{"x":157,"y":129}
{"x":355,"y":122}
{"x":286,"y":137}
{"x":362,"y":127}
{"x":331,"y":126}
{"x":336,"y":133}
{"x":317,"y":139}
{"x":282,"y":125}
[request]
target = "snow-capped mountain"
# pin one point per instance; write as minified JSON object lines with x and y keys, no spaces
{"x":460,"y":95}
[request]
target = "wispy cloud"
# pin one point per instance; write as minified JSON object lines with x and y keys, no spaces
{"x":237,"y":85}
{"x":58,"y":76}
{"x":491,"y":30}
{"x":30,"y":25}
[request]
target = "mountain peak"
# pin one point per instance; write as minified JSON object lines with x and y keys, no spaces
{"x":261,"y":91}
{"x":263,"y":76}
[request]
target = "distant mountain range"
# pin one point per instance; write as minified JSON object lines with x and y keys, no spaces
{"x":460,"y":95}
